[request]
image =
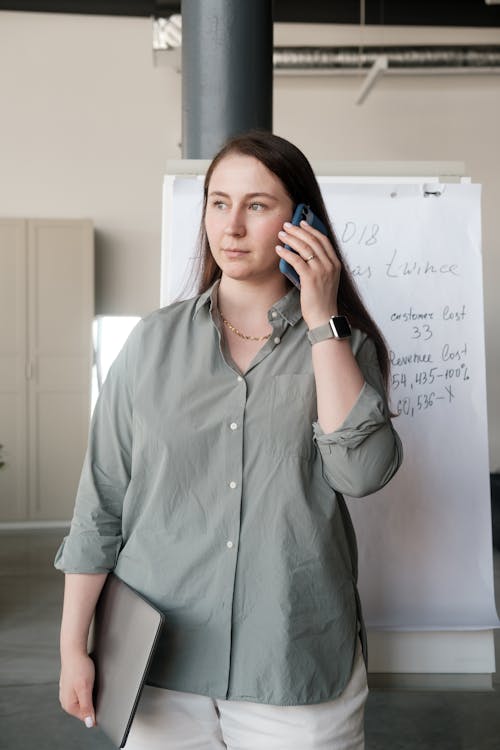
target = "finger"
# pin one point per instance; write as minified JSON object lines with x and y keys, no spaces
{"x":316,"y":241}
{"x":328,"y":254}
{"x":323,"y":240}
{"x":301,"y":233}
{"x":295,"y":260}
{"x":72,"y":706}
{"x":303,"y":246}
{"x":86,"y":712}
{"x":70,"y":703}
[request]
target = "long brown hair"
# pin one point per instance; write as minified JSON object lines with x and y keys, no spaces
{"x":290,"y":165}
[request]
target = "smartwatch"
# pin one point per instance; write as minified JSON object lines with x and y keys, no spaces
{"x":337,"y":328}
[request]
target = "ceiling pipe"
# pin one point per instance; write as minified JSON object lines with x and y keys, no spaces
{"x":401,"y":60}
{"x":410,"y":60}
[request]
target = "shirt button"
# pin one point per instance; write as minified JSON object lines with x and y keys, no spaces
{"x":239,"y":378}
{"x":232,"y":485}
{"x":229,"y":545}
{"x":233,"y":426}
{"x":274,"y":314}
{"x":277,"y":340}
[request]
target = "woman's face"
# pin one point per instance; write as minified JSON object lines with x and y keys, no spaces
{"x":246,"y":207}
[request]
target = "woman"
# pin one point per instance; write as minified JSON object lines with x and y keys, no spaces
{"x":224,"y":437}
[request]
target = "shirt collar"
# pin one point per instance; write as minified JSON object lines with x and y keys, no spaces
{"x":288,"y":307}
{"x":208,"y":297}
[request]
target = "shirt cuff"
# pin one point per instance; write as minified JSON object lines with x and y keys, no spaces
{"x":367,"y":415}
{"x":88,"y":552}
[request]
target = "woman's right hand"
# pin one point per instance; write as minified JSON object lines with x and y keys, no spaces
{"x":75,"y":687}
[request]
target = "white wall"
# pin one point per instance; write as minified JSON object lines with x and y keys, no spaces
{"x":86,"y":125}
{"x":88,"y":121}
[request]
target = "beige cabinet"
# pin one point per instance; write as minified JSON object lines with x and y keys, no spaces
{"x":46,"y":314}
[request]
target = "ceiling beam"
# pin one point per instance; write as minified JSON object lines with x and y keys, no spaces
{"x":474,"y":13}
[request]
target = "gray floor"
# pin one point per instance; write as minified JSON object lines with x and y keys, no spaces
{"x":30,"y":717}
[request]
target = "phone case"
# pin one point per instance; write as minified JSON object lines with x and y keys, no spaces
{"x":301,"y":213}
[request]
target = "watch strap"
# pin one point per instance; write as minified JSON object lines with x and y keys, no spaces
{"x":329,"y":330}
{"x":321,"y":333}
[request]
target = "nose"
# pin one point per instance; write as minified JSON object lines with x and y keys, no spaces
{"x":235,"y":225}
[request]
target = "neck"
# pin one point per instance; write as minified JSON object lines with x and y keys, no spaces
{"x":241,"y":299}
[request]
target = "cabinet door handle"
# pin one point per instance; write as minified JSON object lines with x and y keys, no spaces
{"x":29,"y":370}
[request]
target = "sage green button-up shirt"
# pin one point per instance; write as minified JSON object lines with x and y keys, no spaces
{"x":216,"y":495}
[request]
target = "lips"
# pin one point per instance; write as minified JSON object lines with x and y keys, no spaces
{"x":234,"y":252}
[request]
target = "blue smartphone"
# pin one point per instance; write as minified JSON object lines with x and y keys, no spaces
{"x":301,"y":213}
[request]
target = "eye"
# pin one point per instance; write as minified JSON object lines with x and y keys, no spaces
{"x":257,"y":206}
{"x":219,"y":204}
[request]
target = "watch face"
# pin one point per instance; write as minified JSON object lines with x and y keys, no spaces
{"x":340,"y":327}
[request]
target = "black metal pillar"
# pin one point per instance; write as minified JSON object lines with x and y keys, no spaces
{"x":227,"y":72}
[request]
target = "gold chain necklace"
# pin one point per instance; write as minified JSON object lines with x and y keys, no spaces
{"x":243,"y":335}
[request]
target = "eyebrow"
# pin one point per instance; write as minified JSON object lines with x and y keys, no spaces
{"x":248,"y":195}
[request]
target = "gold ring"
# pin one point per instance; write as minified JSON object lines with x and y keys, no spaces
{"x":311,"y":257}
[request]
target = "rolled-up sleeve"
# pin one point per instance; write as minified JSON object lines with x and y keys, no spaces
{"x":364,"y":453}
{"x":95,"y":536}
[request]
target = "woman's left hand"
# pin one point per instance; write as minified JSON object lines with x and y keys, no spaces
{"x":318,"y":268}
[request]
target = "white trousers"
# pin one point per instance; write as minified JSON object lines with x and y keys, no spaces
{"x":170,"y":720}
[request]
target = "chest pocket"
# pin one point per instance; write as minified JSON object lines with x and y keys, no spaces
{"x":292,"y":411}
